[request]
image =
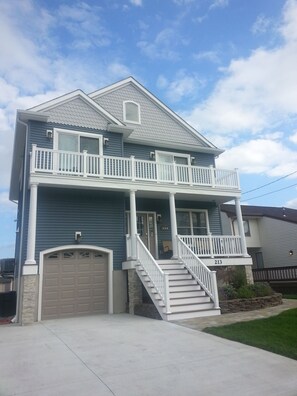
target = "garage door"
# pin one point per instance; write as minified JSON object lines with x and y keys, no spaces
{"x":74,"y":283}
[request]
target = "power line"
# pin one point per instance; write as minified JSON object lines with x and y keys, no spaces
{"x":272,"y":192}
{"x":268,"y":184}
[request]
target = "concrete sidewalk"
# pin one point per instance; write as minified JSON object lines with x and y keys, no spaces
{"x":221,"y":320}
{"x":127,"y":355}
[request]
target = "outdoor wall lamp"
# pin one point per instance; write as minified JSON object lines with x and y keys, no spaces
{"x":49,"y":133}
{"x":291,"y":252}
{"x":77,"y":236}
{"x":192,"y":160}
{"x":106,"y":141}
{"x":152,"y":154}
{"x":159,"y":217}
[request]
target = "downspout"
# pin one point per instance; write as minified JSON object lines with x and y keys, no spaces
{"x":16,"y":318}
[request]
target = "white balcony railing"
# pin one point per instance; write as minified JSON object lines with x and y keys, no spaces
{"x":58,"y":162}
{"x":214,"y":245}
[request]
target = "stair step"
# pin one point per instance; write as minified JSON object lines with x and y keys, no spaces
{"x":191,"y":307}
{"x":175,"y":271}
{"x":169,"y":261}
{"x":184,"y":288}
{"x":185,"y":294}
{"x":180,"y":277}
{"x":186,"y":282}
{"x":166,"y":267}
{"x":189,"y":300}
{"x":194,"y":314}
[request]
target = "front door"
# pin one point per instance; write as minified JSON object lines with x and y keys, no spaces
{"x":146,"y":228}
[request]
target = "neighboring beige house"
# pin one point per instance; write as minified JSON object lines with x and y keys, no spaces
{"x":270,"y":232}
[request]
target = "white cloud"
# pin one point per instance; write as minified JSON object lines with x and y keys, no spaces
{"x":219,"y":4}
{"x":211,"y":56}
{"x":183,"y":2}
{"x":137,"y":3}
{"x":163,"y":46}
{"x":261,"y":24}
{"x":293,"y":138}
{"x":291,"y":204}
{"x":183,"y":85}
{"x":255,"y":93}
{"x":260,"y":156}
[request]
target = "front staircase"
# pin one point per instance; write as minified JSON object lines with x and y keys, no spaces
{"x":187,"y":299}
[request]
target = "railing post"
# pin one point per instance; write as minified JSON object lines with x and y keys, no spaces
{"x":210,"y":245}
{"x":166,"y":288}
{"x":132,"y":159}
{"x":175,"y":178}
{"x":33,"y":159}
{"x":212,"y":175}
{"x":190,"y":175}
{"x":101,"y":166}
{"x":85,"y":163}
{"x":237,"y":177}
{"x":215,"y":290}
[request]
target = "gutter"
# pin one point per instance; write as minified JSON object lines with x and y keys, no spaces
{"x":24,"y":176}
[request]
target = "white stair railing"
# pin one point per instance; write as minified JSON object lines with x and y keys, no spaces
{"x":158,"y":278}
{"x":205,"y":277}
{"x":214,"y":245}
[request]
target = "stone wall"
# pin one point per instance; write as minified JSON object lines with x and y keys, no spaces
{"x":134,"y":290}
{"x":250,"y":304}
{"x":29,"y":300}
{"x":147,"y":310}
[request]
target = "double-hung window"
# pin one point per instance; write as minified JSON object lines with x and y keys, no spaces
{"x":192,"y":222}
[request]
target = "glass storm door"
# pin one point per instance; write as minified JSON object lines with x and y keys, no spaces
{"x":146,"y":228}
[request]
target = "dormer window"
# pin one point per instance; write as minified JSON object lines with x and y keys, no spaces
{"x":131,"y":112}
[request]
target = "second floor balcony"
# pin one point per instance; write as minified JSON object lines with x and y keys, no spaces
{"x":85,"y":165}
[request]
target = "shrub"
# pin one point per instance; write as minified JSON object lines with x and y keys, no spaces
{"x":246,"y":292}
{"x":237,"y":277}
{"x":229,"y":292}
{"x":262,"y":289}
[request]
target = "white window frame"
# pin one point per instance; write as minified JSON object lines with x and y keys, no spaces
{"x":171,"y":153}
{"x":191,"y":219}
{"x":124,"y":112}
{"x":78,"y":133}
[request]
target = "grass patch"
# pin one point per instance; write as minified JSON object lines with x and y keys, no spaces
{"x":291,"y":296}
{"x":275,"y":334}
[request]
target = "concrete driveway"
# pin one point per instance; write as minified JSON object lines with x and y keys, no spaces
{"x":130,"y":355}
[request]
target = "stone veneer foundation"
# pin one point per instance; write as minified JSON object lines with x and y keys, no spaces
{"x":134,"y":290}
{"x":29,"y":299}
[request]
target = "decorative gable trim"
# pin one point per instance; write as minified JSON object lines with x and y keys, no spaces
{"x":73,"y":95}
{"x":131,"y":80}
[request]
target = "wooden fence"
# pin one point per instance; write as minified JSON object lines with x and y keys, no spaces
{"x":281,"y":274}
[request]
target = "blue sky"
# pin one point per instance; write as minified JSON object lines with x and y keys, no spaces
{"x":227,"y":66}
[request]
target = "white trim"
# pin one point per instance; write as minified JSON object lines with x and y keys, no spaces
{"x":72,"y":95}
{"x":125,"y":112}
{"x":76,"y":247}
{"x":128,"y":80}
{"x":76,"y":132}
{"x":30,"y":269}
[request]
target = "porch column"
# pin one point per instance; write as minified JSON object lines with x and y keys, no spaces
{"x":30,"y":260}
{"x":173,"y":224}
{"x":133,"y":223}
{"x":240,"y":227}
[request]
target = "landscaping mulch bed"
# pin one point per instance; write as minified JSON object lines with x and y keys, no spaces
{"x":5,"y":320}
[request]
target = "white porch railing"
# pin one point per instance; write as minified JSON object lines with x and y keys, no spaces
{"x":214,"y":245}
{"x":204,"y":276}
{"x":158,"y":278}
{"x":89,"y":165}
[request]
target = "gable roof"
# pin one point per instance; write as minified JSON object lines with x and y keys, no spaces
{"x":279,"y":213}
{"x":196,"y":136}
{"x":51,"y":104}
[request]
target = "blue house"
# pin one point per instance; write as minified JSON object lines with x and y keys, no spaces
{"x":116,"y":195}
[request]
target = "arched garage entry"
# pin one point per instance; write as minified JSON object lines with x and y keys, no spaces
{"x":75,"y":280}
